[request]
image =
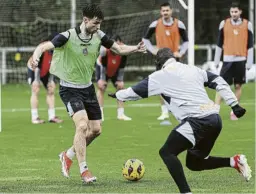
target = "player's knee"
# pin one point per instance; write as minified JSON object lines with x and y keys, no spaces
{"x":237,"y":86}
{"x":193,"y":162}
{"x":82,"y":126}
{"x":50,"y":90}
{"x":168,"y":149}
{"x":96,"y":129}
{"x":163,"y":152}
{"x":101,"y":89}
{"x":192,"y":166}
{"x":51,"y":87}
{"x":35,"y":89}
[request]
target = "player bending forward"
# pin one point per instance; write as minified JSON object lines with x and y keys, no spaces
{"x":182,"y":88}
{"x":41,"y":73}
{"x":111,"y":66}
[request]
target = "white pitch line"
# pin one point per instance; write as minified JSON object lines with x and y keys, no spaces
{"x":63,"y":108}
{"x":144,"y":105}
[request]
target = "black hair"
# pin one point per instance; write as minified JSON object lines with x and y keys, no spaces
{"x":92,"y":10}
{"x":166,"y":5}
{"x":116,"y":37}
{"x":235,"y":4}
{"x":162,"y":56}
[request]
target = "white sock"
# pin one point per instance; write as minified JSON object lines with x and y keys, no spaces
{"x":83,"y":167}
{"x":164,"y":109}
{"x":34,"y":114}
{"x":51,"y":113}
{"x":70,"y":153}
{"x":102,"y":113}
{"x":232,"y":162}
{"x":120,"y":112}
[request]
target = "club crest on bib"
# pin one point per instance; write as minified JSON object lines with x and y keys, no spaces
{"x":113,"y":61}
{"x":85,"y":51}
{"x":235,"y":31}
{"x":167,"y":32}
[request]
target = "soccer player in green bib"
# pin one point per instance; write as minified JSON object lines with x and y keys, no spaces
{"x":75,"y":53}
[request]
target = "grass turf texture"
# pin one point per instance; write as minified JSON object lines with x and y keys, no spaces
{"x":29,"y":153}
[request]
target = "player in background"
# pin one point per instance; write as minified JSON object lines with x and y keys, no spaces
{"x":111,"y":66}
{"x":236,"y":40}
{"x":183,"y":89}
{"x":41,"y":73}
{"x":74,"y":58}
{"x":168,"y":32}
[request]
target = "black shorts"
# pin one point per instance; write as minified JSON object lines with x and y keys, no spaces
{"x":76,"y":99}
{"x":113,"y":78}
{"x":205,"y":131}
{"x":45,"y":79}
{"x":234,"y":72}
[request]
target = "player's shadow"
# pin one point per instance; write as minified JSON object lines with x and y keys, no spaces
{"x":134,"y":182}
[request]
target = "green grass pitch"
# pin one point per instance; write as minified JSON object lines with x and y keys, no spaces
{"x":29,"y":153}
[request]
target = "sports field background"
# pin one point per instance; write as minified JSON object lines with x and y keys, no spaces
{"x":29,"y":153}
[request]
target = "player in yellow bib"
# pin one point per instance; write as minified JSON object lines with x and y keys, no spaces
{"x":74,"y":57}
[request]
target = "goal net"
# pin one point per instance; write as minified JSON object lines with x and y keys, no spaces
{"x":26,"y":23}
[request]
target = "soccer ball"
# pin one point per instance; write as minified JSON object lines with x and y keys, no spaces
{"x":133,"y":170}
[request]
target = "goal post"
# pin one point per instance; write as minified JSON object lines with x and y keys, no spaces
{"x":191,"y":32}
{"x":189,"y":5}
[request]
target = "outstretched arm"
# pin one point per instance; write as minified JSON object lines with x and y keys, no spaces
{"x":120,"y":49}
{"x":216,"y":82}
{"x":221,"y":86}
{"x":127,"y":49}
{"x":150,"y":86}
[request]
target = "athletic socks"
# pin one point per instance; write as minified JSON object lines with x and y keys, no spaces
{"x":120,"y":112}
{"x":70,"y":153}
{"x":34,"y":114}
{"x":83,"y":167}
{"x":51,"y":113}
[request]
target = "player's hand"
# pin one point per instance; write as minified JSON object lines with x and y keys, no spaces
{"x":177,"y":55}
{"x":155,"y":51}
{"x":248,"y":66}
{"x":102,"y":84}
{"x":34,"y":63}
{"x":238,"y":111}
{"x":112,"y":95}
{"x":119,"y":85}
{"x":141,"y":47}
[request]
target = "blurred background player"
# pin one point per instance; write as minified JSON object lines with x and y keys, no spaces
{"x":168,"y":31}
{"x":111,"y":66}
{"x":41,"y":73}
{"x":236,"y":39}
